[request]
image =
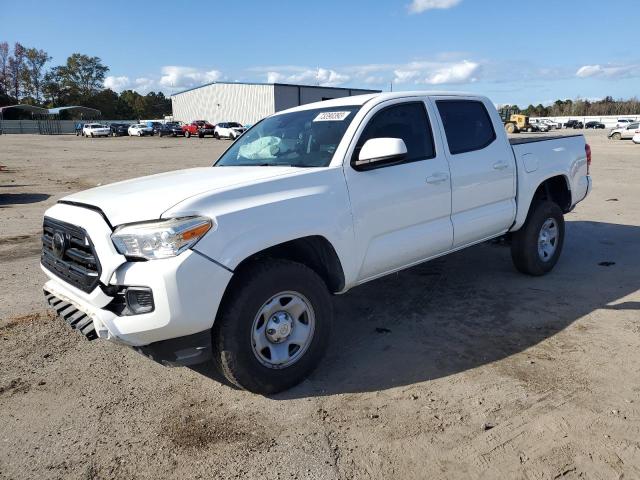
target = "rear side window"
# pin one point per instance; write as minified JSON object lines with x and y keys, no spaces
{"x":407,"y":121}
{"x":467,"y":125}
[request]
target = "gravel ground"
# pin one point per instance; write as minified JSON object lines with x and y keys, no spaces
{"x":458,"y":368}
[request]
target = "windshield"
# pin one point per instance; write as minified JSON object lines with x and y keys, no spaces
{"x":235,"y":125}
{"x":307,"y":138}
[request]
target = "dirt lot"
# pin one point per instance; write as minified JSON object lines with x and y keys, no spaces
{"x":459,"y":368}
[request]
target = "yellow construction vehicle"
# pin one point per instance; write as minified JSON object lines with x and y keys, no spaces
{"x":515,"y":122}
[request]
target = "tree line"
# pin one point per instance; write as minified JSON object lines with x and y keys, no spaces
{"x":26,"y":78}
{"x":581,"y":108}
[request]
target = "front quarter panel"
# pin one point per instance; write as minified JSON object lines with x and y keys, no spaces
{"x":311,"y":201}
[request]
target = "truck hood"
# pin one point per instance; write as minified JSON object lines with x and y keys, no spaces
{"x":147,"y":198}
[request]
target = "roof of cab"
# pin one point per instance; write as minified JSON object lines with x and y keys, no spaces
{"x":356,"y":100}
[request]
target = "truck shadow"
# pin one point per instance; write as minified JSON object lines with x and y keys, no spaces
{"x":469,"y":309}
{"x":7,"y":199}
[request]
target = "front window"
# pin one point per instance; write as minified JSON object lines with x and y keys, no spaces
{"x":307,"y":138}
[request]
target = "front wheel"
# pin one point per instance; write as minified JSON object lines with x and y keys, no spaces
{"x":187,"y":134}
{"x":274,"y":328}
{"x":616,"y":136}
{"x":536,"y":247}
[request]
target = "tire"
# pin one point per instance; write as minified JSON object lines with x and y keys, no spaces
{"x":200,"y":135}
{"x":526,"y":246}
{"x":216,"y":136}
{"x":187,"y":134}
{"x":236,"y":328}
{"x":616,"y":136}
{"x":510,"y":127}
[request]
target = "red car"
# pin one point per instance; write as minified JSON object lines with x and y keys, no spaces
{"x":198,"y":127}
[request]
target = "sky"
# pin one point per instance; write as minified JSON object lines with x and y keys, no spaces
{"x":513,"y":52}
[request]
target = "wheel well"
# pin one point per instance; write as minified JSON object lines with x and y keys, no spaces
{"x":315,"y":252}
{"x":555,"y":189}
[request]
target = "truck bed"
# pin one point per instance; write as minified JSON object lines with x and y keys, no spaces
{"x":539,"y":138}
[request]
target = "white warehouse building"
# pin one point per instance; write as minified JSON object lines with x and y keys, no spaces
{"x":248,"y":103}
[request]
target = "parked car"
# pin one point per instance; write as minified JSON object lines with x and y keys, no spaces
{"x":173,"y":129}
{"x":624,"y":122}
{"x":198,"y":127}
{"x":636,"y":138}
{"x":594,"y":125}
{"x":140,"y":130}
{"x":119,"y":129}
{"x":575,"y":124}
{"x":230,"y":130}
{"x":552,"y":124}
{"x":625,"y":133}
{"x":538,"y":125}
{"x":155,"y":126}
{"x":397,"y":179}
{"x":95,"y":130}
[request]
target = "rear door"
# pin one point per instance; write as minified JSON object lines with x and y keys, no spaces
{"x":401,"y":211}
{"x":483,"y":169}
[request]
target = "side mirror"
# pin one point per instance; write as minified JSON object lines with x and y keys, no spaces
{"x":380,"y":151}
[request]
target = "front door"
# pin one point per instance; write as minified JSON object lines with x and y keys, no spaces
{"x":401,"y":211}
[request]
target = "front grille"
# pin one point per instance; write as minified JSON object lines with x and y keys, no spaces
{"x":72,"y":256}
{"x":78,"y":320}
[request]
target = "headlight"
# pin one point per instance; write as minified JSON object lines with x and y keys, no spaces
{"x":162,"y":239}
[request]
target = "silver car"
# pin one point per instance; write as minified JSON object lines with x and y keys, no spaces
{"x":624,"y":133}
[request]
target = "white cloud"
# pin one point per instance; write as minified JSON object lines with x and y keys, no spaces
{"x":437,"y":73}
{"x":405,"y":76}
{"x":318,"y":76}
{"x":144,"y":84}
{"x":463,"y":72}
{"x":589,"y":71}
{"x":419,"y":6}
{"x":609,"y":71}
{"x":275,"y":77}
{"x":117,"y":84}
{"x":174,"y":76}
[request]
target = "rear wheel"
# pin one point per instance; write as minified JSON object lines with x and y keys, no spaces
{"x":187,"y":134}
{"x":536,"y":247}
{"x":274,"y":328}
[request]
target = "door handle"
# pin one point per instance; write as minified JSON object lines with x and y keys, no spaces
{"x":437,"y":178}
{"x":500,"y":165}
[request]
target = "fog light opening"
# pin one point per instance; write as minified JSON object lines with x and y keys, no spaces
{"x":139,"y":300}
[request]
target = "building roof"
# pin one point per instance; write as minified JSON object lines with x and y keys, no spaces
{"x":50,"y":111}
{"x":280,"y":84}
{"x":26,"y":108}
{"x":57,"y":110}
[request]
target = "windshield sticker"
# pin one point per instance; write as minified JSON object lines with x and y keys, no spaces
{"x":331,"y":116}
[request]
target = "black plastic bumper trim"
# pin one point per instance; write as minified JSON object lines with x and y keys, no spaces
{"x":182,"y":351}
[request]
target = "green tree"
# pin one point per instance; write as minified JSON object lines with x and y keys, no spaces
{"x":16,"y":66}
{"x":83,"y":75}
{"x":33,"y":73}
{"x":4,"y":68}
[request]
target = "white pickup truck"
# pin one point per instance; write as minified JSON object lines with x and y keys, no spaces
{"x":235,"y":263}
